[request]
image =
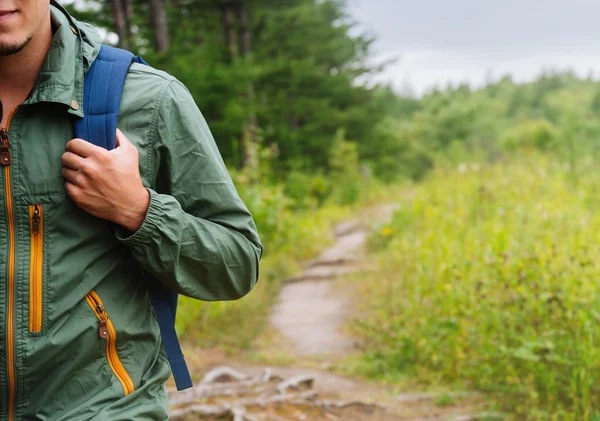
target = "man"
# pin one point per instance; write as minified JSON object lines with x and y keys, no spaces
{"x":80,"y":225}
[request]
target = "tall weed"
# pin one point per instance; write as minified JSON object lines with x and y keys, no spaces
{"x":490,"y":281}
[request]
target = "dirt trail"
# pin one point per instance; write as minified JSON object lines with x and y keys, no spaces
{"x":308,"y":323}
{"x":311,"y":311}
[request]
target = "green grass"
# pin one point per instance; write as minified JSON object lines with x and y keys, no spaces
{"x":490,"y":281}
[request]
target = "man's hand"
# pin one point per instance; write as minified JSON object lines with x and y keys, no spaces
{"x":106,"y":184}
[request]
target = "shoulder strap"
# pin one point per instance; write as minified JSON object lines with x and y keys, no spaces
{"x":103,"y":88}
{"x":164,"y":302}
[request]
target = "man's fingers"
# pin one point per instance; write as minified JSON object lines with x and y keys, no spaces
{"x":70,"y":175}
{"x":82,"y":148}
{"x":72,"y":160}
{"x":72,"y":190}
{"x":122,"y":141}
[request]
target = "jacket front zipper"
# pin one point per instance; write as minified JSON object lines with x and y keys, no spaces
{"x":36,"y":265}
{"x":5,"y":161}
{"x":106,"y":330}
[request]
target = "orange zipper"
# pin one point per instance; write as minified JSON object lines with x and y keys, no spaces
{"x":107,"y":331}
{"x":5,"y":161}
{"x":36,"y":224}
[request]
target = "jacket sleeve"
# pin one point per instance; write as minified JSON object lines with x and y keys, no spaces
{"x":198,"y":237}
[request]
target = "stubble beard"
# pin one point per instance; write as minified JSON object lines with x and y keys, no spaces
{"x":10,"y":49}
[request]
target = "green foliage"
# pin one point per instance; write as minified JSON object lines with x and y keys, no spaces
{"x":595,"y":106}
{"x":489,"y":280}
{"x":345,"y":171}
{"x":538,"y":135}
{"x":304,"y":66}
{"x":397,"y":154}
{"x":307,"y":67}
{"x":445,"y":400}
{"x":306,"y":190}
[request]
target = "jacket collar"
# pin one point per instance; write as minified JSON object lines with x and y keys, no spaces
{"x":74,"y":47}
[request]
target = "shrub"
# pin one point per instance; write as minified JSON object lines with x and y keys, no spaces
{"x":539,"y":135}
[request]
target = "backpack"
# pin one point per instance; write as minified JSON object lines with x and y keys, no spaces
{"x":103,"y":88}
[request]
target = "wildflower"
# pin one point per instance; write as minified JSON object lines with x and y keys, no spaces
{"x":387,"y":231}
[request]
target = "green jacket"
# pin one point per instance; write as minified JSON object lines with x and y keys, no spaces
{"x":66,"y":274}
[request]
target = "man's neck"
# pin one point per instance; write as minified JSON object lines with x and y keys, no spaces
{"x":19,"y":72}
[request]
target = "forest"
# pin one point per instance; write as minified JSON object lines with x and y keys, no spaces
{"x":489,"y":269}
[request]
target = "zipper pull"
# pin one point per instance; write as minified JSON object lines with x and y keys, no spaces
{"x":102,"y":322}
{"x":35,"y":223}
{"x":5,"y":156}
{"x":103,"y":329}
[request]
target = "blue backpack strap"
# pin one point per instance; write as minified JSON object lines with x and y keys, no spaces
{"x":103,"y":88}
{"x":164,"y":302}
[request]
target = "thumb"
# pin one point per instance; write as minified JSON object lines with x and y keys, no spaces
{"x":122,"y":141}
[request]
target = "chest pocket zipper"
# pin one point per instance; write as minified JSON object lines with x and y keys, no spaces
{"x":36,"y":268}
{"x":106,"y":330}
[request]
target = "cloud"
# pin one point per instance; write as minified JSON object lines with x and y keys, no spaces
{"x":460,"y":40}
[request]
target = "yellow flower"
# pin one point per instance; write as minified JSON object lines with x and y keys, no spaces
{"x":448,"y":287}
{"x":387,"y":231}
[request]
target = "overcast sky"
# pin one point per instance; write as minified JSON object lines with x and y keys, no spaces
{"x":475,"y":40}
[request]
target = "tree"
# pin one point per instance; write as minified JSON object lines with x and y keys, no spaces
{"x":158,"y":19}
{"x":265,"y":73}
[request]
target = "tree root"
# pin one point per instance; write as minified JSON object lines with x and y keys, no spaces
{"x":228,"y":395}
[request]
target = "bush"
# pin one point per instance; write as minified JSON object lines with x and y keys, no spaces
{"x":345,"y":172}
{"x":539,"y":135}
{"x":307,"y":191}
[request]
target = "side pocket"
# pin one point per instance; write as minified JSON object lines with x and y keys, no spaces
{"x":36,"y":268}
{"x":107,"y":331}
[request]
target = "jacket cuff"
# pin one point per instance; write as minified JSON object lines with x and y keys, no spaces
{"x":149,"y":225}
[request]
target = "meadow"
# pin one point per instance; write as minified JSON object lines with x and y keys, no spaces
{"x":489,"y":282}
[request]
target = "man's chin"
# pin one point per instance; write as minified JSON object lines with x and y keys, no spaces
{"x":12,"y":48}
